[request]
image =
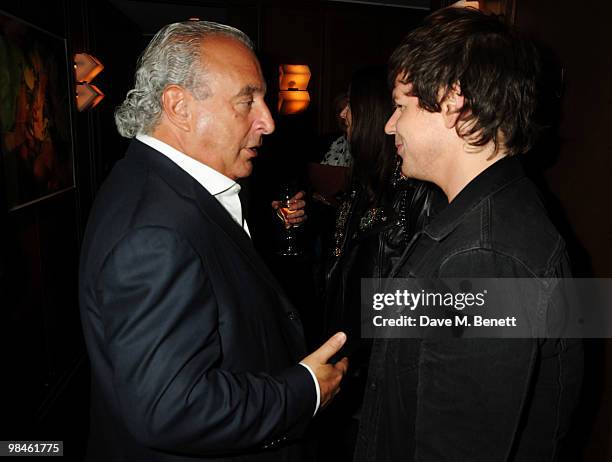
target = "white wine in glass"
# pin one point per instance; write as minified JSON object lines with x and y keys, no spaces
{"x":288,"y":239}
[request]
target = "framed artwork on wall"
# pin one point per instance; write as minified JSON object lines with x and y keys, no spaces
{"x":36,"y":147}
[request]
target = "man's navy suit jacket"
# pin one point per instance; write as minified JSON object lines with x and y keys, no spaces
{"x":194,"y":347}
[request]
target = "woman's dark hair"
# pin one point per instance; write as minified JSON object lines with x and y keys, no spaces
{"x":374,"y":159}
{"x":495,"y":68}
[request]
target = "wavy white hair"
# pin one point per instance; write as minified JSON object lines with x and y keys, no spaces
{"x":173,"y":57}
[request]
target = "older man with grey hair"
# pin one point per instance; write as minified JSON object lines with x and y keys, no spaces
{"x":196,"y":352}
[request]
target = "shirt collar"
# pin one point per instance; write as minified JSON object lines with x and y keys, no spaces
{"x":491,"y":180}
{"x":214,"y":182}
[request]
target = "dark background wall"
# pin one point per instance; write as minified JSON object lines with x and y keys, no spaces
{"x":46,"y":378}
{"x":579,"y":171}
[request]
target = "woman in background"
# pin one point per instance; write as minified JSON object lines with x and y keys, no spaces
{"x":338,"y":151}
{"x":376,"y":220}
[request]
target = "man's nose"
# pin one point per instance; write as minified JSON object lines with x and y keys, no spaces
{"x":266,"y":120}
{"x":390,"y":125}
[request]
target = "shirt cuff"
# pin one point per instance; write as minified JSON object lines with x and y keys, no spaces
{"x":316,"y":382}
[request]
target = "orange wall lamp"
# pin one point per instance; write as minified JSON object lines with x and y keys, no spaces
{"x":86,"y":67}
{"x":293,"y":96}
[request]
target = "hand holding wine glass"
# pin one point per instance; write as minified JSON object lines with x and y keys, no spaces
{"x":291,"y":210}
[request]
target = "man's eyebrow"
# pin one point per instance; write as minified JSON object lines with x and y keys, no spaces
{"x":250,"y":90}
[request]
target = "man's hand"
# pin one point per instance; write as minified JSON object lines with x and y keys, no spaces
{"x":297,"y":204}
{"x":329,"y":376}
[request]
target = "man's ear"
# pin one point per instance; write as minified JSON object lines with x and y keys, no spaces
{"x":175,"y":101}
{"x":452,"y":105}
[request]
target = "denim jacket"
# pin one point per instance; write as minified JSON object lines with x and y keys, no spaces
{"x":476,"y":399}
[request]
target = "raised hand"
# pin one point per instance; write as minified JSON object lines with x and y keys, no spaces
{"x":328,"y":375}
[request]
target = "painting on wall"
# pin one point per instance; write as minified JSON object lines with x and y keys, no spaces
{"x":36,"y":146}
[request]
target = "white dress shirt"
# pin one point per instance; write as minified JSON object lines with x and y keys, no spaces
{"x":222,"y":188}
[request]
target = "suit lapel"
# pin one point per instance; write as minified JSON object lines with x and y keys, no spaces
{"x":215,"y":212}
{"x":210,"y":207}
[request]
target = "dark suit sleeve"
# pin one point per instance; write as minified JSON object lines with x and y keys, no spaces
{"x":160,"y":320}
{"x":471,"y":391}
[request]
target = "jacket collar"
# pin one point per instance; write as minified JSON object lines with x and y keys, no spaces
{"x":215,"y":182}
{"x":188,"y":187}
{"x":496,"y":177}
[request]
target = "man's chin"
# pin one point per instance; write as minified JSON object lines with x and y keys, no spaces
{"x":245,"y":170}
{"x":406,"y":173}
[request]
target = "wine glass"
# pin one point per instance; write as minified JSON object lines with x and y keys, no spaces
{"x":288,"y":245}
